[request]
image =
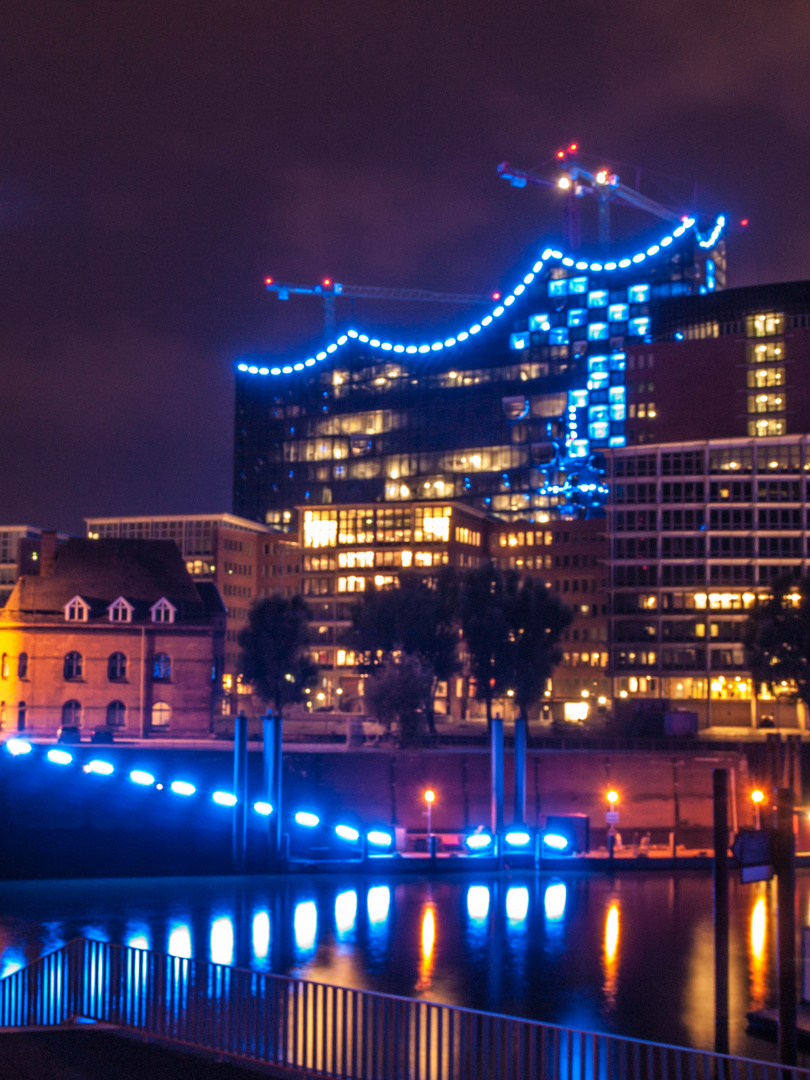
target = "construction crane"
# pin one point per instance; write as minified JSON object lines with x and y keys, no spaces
{"x":576,"y":181}
{"x":330,"y":290}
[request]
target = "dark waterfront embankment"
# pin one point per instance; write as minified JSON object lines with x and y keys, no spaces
{"x":60,"y":821}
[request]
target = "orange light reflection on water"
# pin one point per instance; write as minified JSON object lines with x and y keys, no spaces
{"x":758,"y":958}
{"x":428,"y":942}
{"x":611,"y":959}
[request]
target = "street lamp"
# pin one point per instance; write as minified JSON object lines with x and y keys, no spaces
{"x":757,"y":798}
{"x":430,"y":797}
{"x":612,"y":797}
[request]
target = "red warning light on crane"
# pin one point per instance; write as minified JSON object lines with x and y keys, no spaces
{"x":496,"y":296}
{"x":326,"y":282}
{"x":572,"y":149}
{"x":561,"y":155}
{"x":744,"y":222}
{"x":268,"y":281}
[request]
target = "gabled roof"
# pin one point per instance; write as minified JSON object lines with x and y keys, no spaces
{"x":101,"y":571}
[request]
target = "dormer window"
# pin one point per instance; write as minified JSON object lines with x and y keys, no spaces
{"x":77,"y":610}
{"x":163,"y":611}
{"x":120,"y":610}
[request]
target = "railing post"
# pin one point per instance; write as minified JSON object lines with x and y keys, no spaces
{"x":240,"y":790}
{"x":272,"y":732}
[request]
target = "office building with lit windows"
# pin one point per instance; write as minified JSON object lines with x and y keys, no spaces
{"x":697,"y":531}
{"x":510,"y":415}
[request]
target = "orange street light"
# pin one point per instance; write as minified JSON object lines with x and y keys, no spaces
{"x":430,"y":797}
{"x":757,"y":797}
{"x":612,"y":797}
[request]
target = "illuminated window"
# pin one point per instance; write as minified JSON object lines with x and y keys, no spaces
{"x":639,"y":327}
{"x":766,"y":403}
{"x":558,"y":287}
{"x":73,"y":665}
{"x":618,"y":313}
{"x":351,"y":584}
{"x":558,"y":335}
{"x":319,"y":533}
{"x":598,"y":298}
{"x":577,"y":316}
{"x":598,"y":331}
{"x":539,"y":321}
{"x":162,"y":667}
{"x":578,"y":285}
{"x":518,"y":341}
{"x":638,"y":294}
{"x":771,"y":376}
{"x":772,"y":352}
{"x":766,"y":325}
{"x":161,"y":714}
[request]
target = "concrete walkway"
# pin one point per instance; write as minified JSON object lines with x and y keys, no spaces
{"x":100,"y":1054}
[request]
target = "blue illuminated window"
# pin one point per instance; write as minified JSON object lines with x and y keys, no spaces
{"x":598,"y":430}
{"x":539,"y":321}
{"x":597,"y":363}
{"x":162,"y":667}
{"x":618,"y":360}
{"x":518,"y":341}
{"x":577,"y":399}
{"x":617,"y":440}
{"x":577,"y":316}
{"x":598,"y":331}
{"x":598,"y":380}
{"x":558,"y":287}
{"x":616,"y":395}
{"x":598,"y":413}
{"x":618,"y":412}
{"x":618,"y":312}
{"x":558,"y":335}
{"x":598,"y":298}
{"x":578,"y":285}
{"x":638,"y":294}
{"x":579,"y":448}
{"x":639,"y":327}
{"x":710,"y":275}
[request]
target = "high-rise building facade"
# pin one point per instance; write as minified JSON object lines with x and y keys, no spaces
{"x":697,"y":531}
{"x":510,"y":415}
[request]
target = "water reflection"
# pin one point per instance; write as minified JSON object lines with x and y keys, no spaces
{"x":180,"y":941}
{"x":428,"y":941}
{"x":611,"y":955}
{"x":554,"y":901}
{"x":222,"y":941}
{"x":584,"y":950}
{"x":377,"y":903}
{"x":758,"y":955}
{"x":305,"y":925}
{"x":345,"y":913}
{"x":517,"y":904}
{"x":478,"y":902}
{"x":261,"y":934}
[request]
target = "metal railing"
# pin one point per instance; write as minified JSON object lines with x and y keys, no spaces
{"x":333,"y":1031}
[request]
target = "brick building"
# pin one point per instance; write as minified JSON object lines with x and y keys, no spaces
{"x":111,"y":633}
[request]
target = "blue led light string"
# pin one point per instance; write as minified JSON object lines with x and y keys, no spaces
{"x":549,"y":255}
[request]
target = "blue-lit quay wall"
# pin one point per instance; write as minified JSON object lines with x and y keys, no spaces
{"x":60,"y":820}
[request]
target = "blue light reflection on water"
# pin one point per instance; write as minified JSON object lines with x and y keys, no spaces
{"x":261,"y":936}
{"x":530,"y":944}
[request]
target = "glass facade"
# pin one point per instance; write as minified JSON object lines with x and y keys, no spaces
{"x":511,"y":416}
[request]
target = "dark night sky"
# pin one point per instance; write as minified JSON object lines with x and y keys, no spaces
{"x":158,"y":159}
